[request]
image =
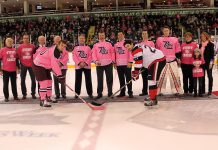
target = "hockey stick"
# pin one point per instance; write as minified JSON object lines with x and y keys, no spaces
{"x":93,"y":107}
{"x":109,"y":98}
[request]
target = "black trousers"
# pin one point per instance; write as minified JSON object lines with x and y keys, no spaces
{"x":124,"y":74}
{"x":198,"y":83}
{"x":108,"y":69}
{"x":56,"y":84}
{"x":88,"y":80}
{"x":23,"y":73}
{"x":210,"y":78}
{"x":187,"y":78}
{"x":13,"y":77}
{"x":144,"y":75}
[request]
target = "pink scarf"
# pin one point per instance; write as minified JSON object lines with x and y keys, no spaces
{"x":204,"y":44}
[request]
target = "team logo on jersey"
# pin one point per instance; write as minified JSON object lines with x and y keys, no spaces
{"x":103,"y":50}
{"x":120,"y":50}
{"x":82,"y":54}
{"x":168,"y":45}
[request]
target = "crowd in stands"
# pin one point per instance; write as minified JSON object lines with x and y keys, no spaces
{"x":69,"y":28}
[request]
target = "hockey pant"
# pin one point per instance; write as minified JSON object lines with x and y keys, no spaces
{"x":171,"y":71}
{"x":154,"y":72}
{"x":43,"y":76}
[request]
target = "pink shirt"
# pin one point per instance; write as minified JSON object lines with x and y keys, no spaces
{"x":47,"y":60}
{"x":103,"y":52}
{"x":169,"y":46}
{"x":122,"y":55}
{"x":8,"y":57}
{"x":25,"y":54}
{"x":198,"y":71}
{"x":187,"y":51}
{"x":82,"y":54}
{"x":149,"y":43}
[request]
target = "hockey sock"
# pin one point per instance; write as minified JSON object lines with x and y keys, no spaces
{"x":49,"y":88}
{"x":43,"y":89}
{"x":152,"y":90}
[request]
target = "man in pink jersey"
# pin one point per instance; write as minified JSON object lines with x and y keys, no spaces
{"x":171,"y":48}
{"x":187,"y":51}
{"x":25,"y":54}
{"x":63,"y":60}
{"x":104,"y":57}
{"x":145,"y":41}
{"x":8,"y":57}
{"x":44,"y":62}
{"x":123,"y":63}
{"x":82,"y":56}
{"x":152,"y":59}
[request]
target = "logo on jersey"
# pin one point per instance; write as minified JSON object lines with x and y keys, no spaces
{"x":82,"y":54}
{"x":103,"y":50}
{"x":168,"y":45}
{"x":120,"y":50}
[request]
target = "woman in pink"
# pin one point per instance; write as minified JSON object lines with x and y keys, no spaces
{"x":187,"y":51}
{"x":8,"y":57}
{"x":207,"y":50}
{"x":198,"y":72}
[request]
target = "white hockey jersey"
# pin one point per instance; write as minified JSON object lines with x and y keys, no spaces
{"x":145,"y":55}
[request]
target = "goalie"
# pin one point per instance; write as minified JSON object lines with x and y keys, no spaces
{"x":152,"y":59}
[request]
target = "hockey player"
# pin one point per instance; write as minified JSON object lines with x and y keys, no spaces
{"x":63,"y":61}
{"x":40,"y":48}
{"x":171,"y":49}
{"x":145,"y":41}
{"x":25,"y":54}
{"x":187,"y":51}
{"x":123,"y":63}
{"x":104,"y":57}
{"x":44,"y":62}
{"x":82,"y":56}
{"x":152,"y":59}
{"x":8,"y":57}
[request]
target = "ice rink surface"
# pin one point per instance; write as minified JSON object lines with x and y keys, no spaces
{"x":177,"y":123}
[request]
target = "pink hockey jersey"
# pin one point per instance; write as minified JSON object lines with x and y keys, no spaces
{"x":122,"y":55}
{"x":169,"y":46}
{"x":149,"y":43}
{"x":8,"y":57}
{"x":144,"y":56}
{"x":47,"y":60}
{"x":103,"y":52}
{"x":64,"y":59}
{"x":25,"y":54}
{"x":198,"y":71}
{"x":39,"y":50}
{"x":187,"y":51}
{"x":82,"y":54}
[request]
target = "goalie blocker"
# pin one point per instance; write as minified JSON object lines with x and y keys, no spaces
{"x":152,"y":59}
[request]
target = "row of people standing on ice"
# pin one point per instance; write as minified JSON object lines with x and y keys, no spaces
{"x":105,"y":57}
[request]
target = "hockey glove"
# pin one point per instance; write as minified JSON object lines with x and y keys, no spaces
{"x":61,"y":79}
{"x":135,"y":75}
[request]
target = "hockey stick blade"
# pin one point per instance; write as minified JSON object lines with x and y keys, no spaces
{"x":93,"y":107}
